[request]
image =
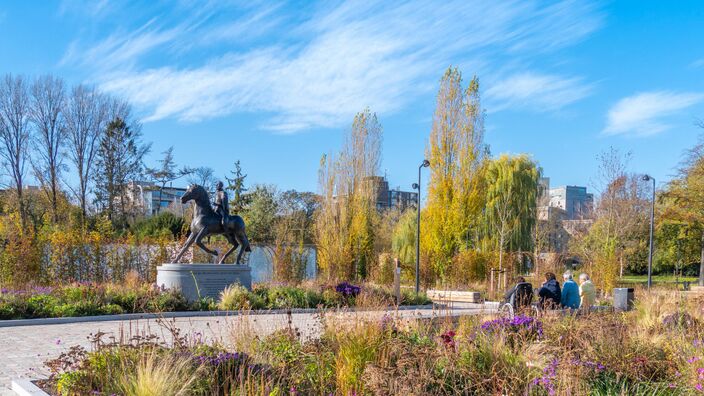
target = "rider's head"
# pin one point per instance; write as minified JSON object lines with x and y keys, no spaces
{"x":218,"y":185}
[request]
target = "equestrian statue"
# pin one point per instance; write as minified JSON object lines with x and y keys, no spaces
{"x":214,"y":220}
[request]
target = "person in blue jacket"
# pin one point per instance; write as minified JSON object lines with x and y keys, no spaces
{"x":570,"y":292}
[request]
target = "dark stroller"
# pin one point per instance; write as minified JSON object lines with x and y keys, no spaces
{"x":520,"y":300}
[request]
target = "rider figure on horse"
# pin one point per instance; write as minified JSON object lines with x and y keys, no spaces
{"x":220,"y":204}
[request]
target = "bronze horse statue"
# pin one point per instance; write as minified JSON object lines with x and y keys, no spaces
{"x":206,"y":222}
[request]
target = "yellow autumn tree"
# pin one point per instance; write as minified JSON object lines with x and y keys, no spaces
{"x":457,"y":154}
{"x":347,"y":216}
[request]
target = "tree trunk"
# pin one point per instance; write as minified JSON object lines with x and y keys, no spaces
{"x":54,"y":199}
{"x":701,"y":264}
{"x":501,"y":251}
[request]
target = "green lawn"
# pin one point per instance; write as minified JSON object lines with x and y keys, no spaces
{"x":643,"y":279}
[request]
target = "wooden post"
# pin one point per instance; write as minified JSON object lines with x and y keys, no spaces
{"x":397,"y":281}
{"x":491,"y":282}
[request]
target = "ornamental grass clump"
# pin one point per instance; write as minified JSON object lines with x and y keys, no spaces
{"x":374,"y":297}
{"x":158,"y":375}
{"x":354,"y":348}
{"x":236,"y":297}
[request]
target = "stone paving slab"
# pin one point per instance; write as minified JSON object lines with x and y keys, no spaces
{"x":24,"y":349}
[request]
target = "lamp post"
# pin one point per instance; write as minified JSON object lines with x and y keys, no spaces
{"x":416,"y":186}
{"x":652,"y":218}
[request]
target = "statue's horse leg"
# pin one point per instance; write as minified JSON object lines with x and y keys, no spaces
{"x":242,"y":239}
{"x":232,"y":249}
{"x":199,"y":242}
{"x":185,"y":247}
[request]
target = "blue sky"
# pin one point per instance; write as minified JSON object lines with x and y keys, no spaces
{"x":275,"y":85}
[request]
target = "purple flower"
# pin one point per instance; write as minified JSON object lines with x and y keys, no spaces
{"x":590,"y":365}
{"x":58,"y":341}
{"x":517,"y":324}
{"x":692,"y":359}
{"x":42,"y":290}
{"x":699,"y":387}
{"x":547,"y":380}
{"x":347,"y":289}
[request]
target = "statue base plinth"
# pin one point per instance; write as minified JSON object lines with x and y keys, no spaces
{"x":202,"y":280}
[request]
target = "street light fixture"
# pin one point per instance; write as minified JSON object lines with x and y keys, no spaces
{"x":652,"y":218}
{"x":416,"y":186}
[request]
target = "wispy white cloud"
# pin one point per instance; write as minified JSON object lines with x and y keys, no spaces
{"x":697,"y":64}
{"x":540,"y":92}
{"x":648,"y":113}
{"x":120,"y":49}
{"x":92,"y":9}
{"x":329,"y":60}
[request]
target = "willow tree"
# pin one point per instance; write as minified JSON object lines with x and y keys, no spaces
{"x":347,"y":215}
{"x":511,"y":202}
{"x":403,"y":241}
{"x":457,"y":156}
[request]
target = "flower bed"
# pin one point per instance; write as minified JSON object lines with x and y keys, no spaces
{"x":107,"y":299}
{"x":603,"y":353}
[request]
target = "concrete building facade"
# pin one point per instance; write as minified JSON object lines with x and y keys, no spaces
{"x":387,"y":198}
{"x":574,"y":200}
{"x":149,"y":199}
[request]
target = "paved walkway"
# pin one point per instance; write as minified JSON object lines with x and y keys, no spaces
{"x":24,"y":349}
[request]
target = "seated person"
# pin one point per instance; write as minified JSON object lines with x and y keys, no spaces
{"x":587,"y":292}
{"x":520,"y":295}
{"x":549,"y":292}
{"x":570,"y":291}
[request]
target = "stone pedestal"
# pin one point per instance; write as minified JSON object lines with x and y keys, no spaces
{"x":206,"y":280}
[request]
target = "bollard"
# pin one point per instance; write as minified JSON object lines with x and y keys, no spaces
{"x":623,"y":298}
{"x":397,"y":281}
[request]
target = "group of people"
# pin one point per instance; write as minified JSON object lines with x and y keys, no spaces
{"x":552,"y":296}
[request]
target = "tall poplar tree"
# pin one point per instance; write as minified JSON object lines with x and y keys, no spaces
{"x":457,"y":155}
